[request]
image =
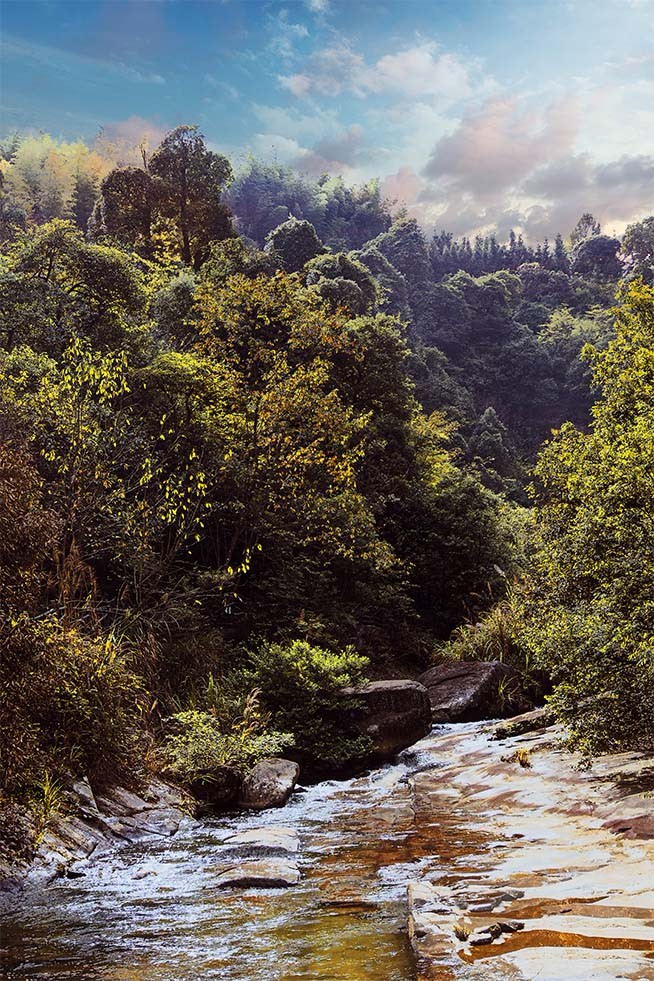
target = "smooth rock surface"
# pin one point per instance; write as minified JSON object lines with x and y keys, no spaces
{"x":535,"y":884}
{"x":264,"y":841}
{"x":394,"y":714}
{"x":265,"y":873}
{"x":270,"y":784}
{"x":468,"y":691}
{"x":95,"y":823}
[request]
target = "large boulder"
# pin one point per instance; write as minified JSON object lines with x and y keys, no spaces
{"x":269,"y":784}
{"x":467,"y":691}
{"x":394,"y":714}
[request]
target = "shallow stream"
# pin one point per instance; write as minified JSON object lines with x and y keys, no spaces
{"x":152,"y":910}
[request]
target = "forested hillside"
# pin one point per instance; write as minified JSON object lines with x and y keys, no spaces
{"x":261,"y":436}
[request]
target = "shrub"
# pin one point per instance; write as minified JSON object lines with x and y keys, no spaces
{"x":301,"y":686}
{"x":202,"y":743}
{"x":66,"y":703}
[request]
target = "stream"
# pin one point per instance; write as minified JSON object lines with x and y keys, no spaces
{"x":459,"y":819}
{"x":150,"y":910}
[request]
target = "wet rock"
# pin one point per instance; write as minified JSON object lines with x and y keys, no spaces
{"x":486,"y":936}
{"x":394,"y":714}
{"x":270,"y":784}
{"x":269,"y":873}
{"x":510,"y":926}
{"x":540,"y":718}
{"x":467,"y":691}
{"x":93,"y":824}
{"x":263,"y":841}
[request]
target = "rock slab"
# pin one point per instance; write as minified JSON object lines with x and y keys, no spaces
{"x":264,"y":858}
{"x":469,"y":691}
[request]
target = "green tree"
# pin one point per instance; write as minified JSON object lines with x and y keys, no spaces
{"x":589,"y":608}
{"x":295,"y":243}
{"x":637,"y":250}
{"x":342,"y":281}
{"x":597,"y":255}
{"x":189,"y":181}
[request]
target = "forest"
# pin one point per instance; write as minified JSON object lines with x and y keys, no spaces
{"x":262,"y":437}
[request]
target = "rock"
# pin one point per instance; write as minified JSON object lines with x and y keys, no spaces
{"x":540,"y":718}
{"x":394,"y":714}
{"x":270,"y":873}
{"x":264,"y":841}
{"x":482,"y":937}
{"x":269,"y":784}
{"x":220,"y":789}
{"x":467,"y":691}
{"x":510,"y":926}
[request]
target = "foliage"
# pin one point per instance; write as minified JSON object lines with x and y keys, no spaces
{"x":342,"y":281}
{"x":200,"y":744}
{"x":637,"y":251}
{"x":294,"y":243}
{"x":495,"y":636}
{"x":208,"y":447}
{"x":590,"y":603}
{"x":301,"y":687}
{"x":172,"y":208}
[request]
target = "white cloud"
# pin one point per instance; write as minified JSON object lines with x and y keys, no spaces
{"x":422,"y":71}
{"x":285,"y":35}
{"x":293,"y":123}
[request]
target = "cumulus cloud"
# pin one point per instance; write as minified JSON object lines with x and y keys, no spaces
{"x":421,"y":71}
{"x":329,"y":73}
{"x":295,"y":124}
{"x":495,"y":148}
{"x":338,"y":154}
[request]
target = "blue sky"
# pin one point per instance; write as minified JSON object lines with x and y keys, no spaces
{"x":478,"y":115}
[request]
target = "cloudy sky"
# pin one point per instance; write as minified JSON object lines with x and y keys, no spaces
{"x":476,"y":114}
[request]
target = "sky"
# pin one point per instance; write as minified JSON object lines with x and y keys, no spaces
{"x":477,"y":115}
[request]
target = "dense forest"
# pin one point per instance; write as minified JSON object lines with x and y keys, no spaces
{"x":262,"y":437}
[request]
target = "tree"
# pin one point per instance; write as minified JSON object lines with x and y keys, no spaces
{"x":585,"y":228}
{"x":295,"y":243}
{"x":394,"y":296}
{"x":57,"y":284}
{"x":637,"y":251}
{"x":189,"y":180}
{"x":597,"y":255}
{"x":124,"y":209}
{"x":589,"y":605}
{"x":405,"y":247}
{"x":342,"y":281}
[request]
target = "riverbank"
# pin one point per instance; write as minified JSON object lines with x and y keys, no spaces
{"x":550,"y":874}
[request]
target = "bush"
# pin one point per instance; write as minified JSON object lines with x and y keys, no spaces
{"x":495,"y":636}
{"x":301,"y":686}
{"x":203,"y":742}
{"x":66,"y":703}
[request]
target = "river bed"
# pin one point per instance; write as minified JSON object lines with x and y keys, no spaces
{"x":151,"y":910}
{"x":456,"y":819}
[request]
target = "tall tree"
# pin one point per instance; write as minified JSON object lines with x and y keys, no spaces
{"x":189,"y":183}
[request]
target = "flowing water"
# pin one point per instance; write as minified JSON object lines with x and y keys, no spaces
{"x":456,"y":812}
{"x":152,"y":910}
